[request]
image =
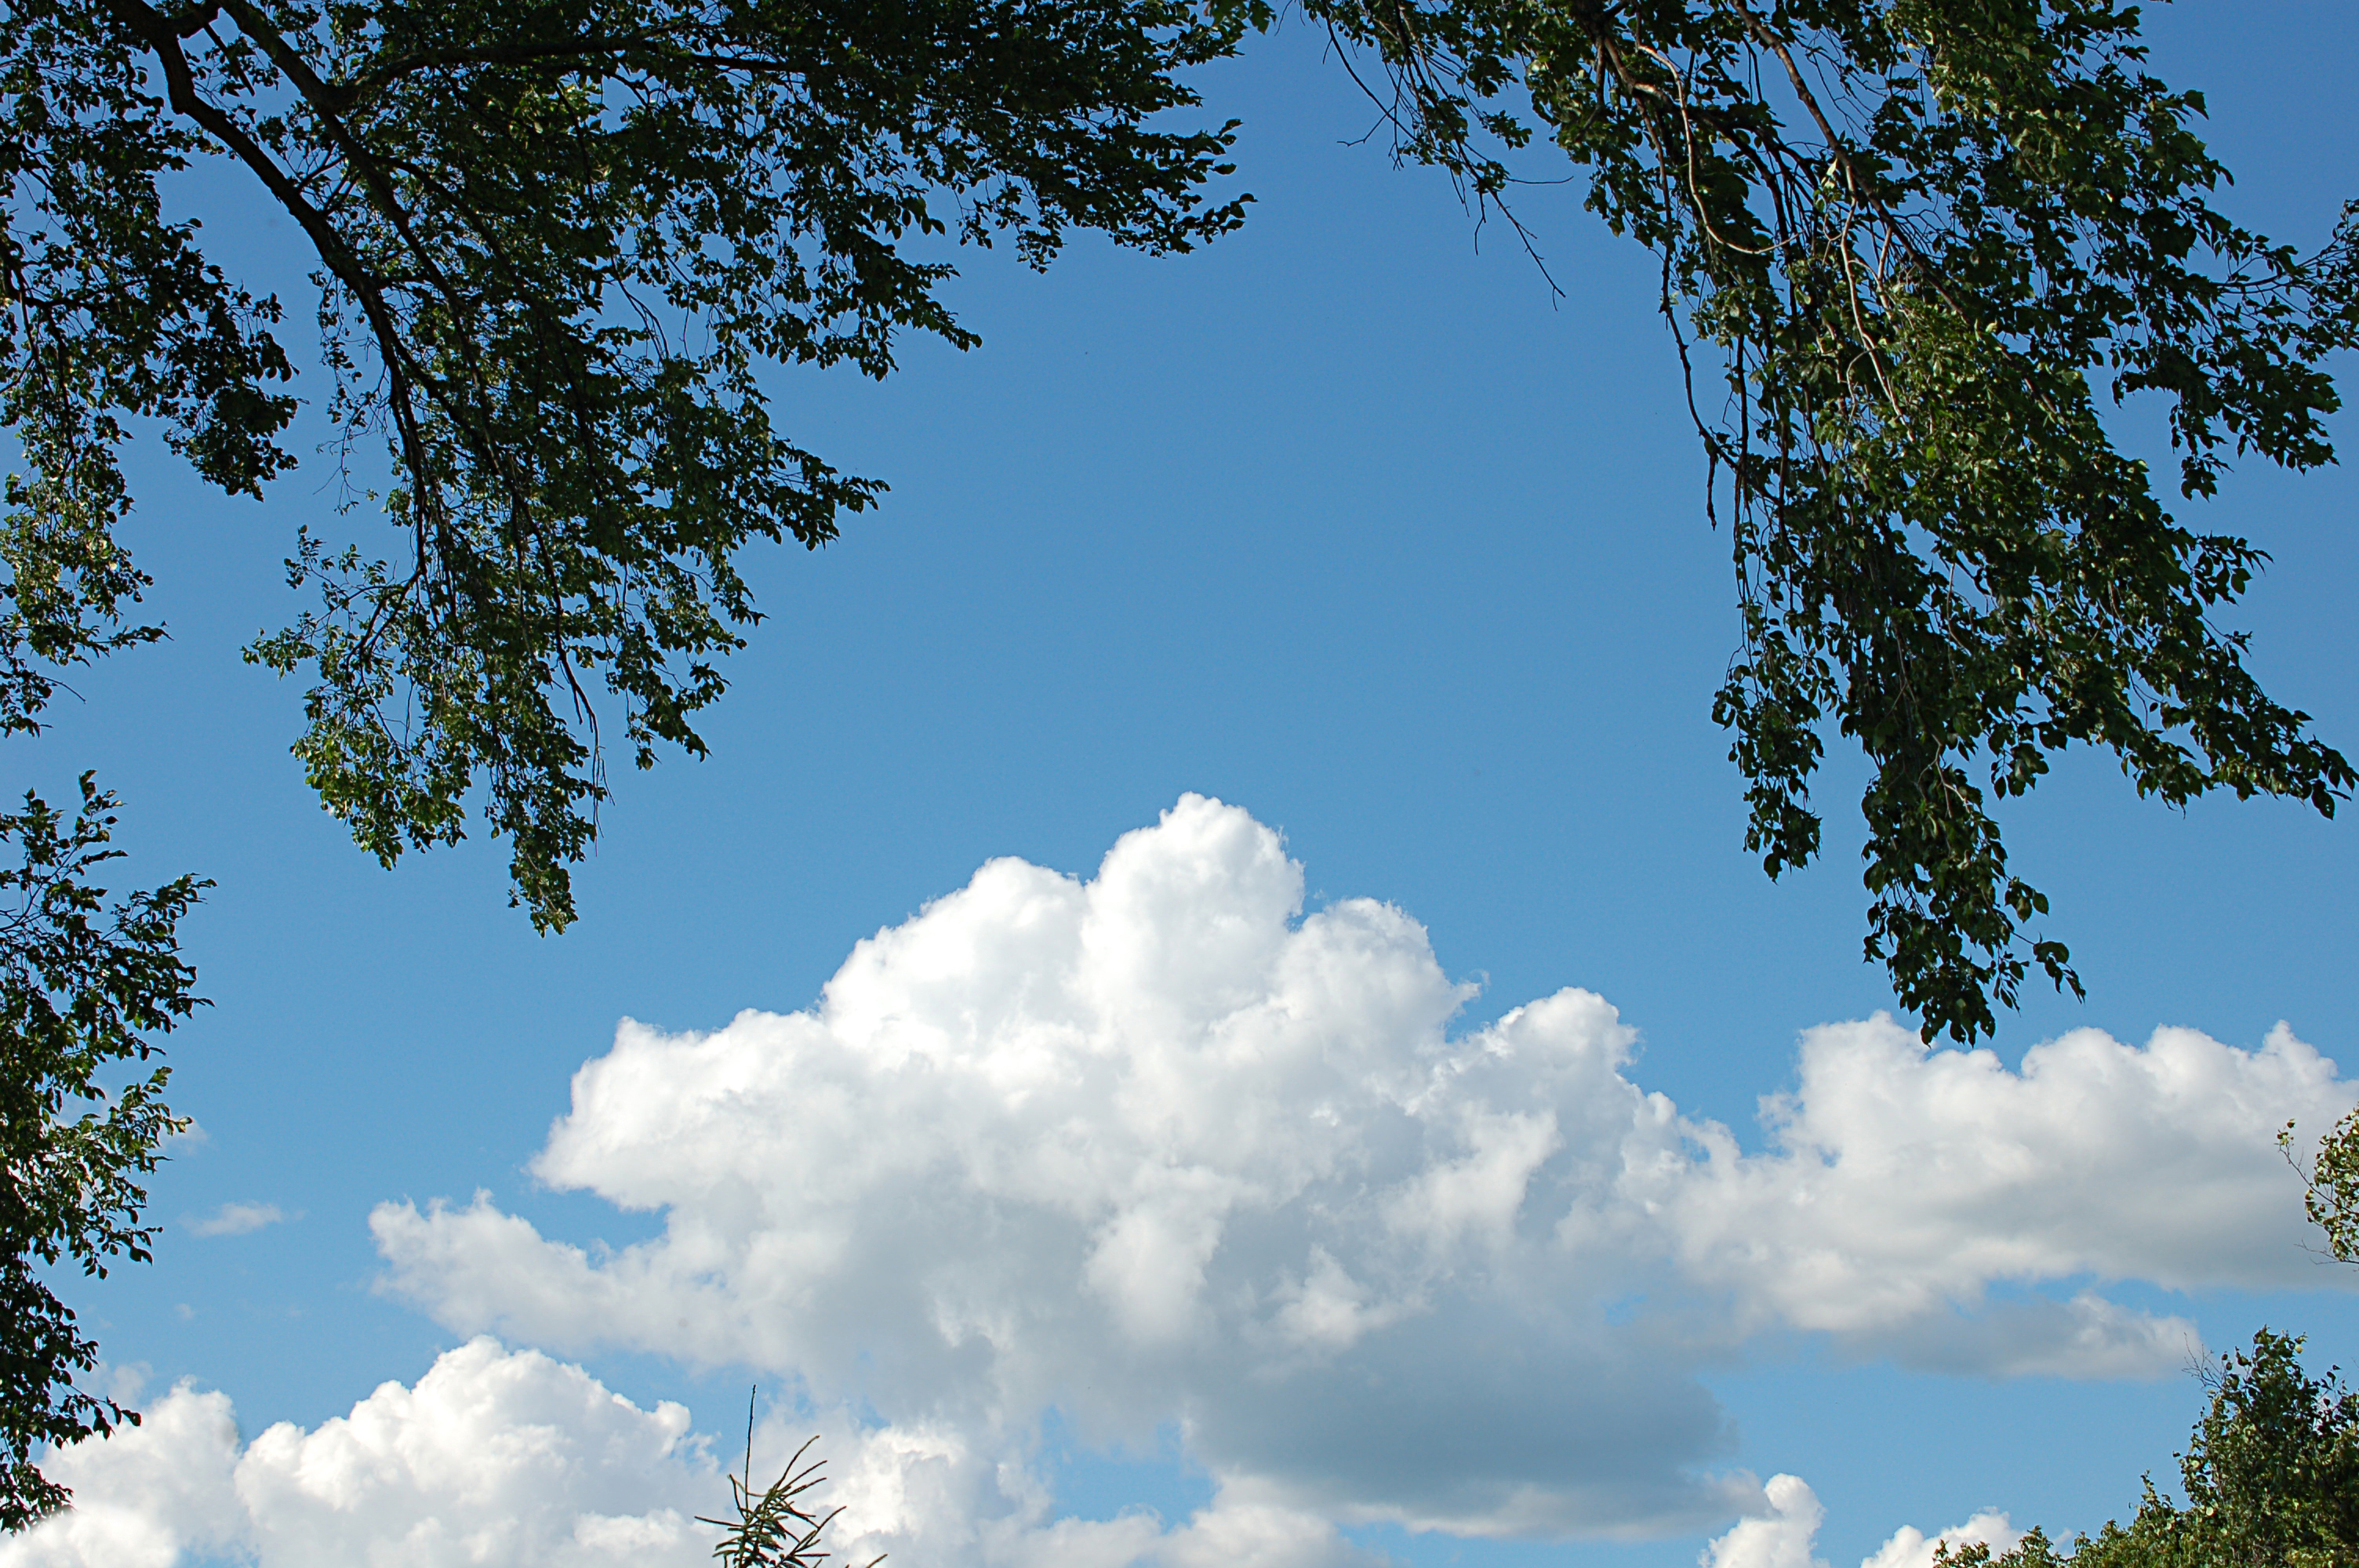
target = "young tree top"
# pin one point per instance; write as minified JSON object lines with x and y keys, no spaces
{"x":2271,"y":1474}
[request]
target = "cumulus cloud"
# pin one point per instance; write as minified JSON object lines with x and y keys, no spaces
{"x":1781,"y":1536}
{"x":1784,"y":1534}
{"x":1155,"y":1147}
{"x":929,"y":1492}
{"x":237,"y":1219}
{"x":509,"y":1457}
{"x":1905,"y":1178}
{"x":495,"y":1456}
{"x":1912,"y":1548}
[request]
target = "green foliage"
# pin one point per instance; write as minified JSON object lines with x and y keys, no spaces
{"x":557,"y":240}
{"x":774,"y":1528}
{"x":1929,"y":241}
{"x":2272,"y":1471}
{"x":84,"y":984}
{"x":111,"y":313}
{"x":2271,"y":1475}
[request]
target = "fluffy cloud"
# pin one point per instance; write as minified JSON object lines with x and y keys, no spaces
{"x":1783,"y":1535}
{"x":1905,"y":1178}
{"x":493,"y":1457}
{"x":509,"y":1457}
{"x":929,"y":1493}
{"x":1155,"y":1148}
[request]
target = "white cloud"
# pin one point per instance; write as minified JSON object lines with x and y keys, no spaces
{"x":237,"y":1219}
{"x":1781,"y":1537}
{"x":495,"y":1456}
{"x":1905,"y":1179}
{"x":509,"y":1457}
{"x":928,"y":1493}
{"x":1154,"y":1148}
{"x":1912,"y":1548}
{"x":1784,"y":1535}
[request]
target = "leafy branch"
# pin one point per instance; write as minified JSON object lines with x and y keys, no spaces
{"x":1916,"y":234}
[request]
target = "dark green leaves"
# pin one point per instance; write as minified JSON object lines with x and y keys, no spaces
{"x":84,"y":985}
{"x":1926,"y":239}
{"x":557,"y":241}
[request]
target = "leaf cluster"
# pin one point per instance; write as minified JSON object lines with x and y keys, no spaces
{"x":1930,"y":242}
{"x":86,"y":986}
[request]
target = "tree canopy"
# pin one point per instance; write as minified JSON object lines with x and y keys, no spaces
{"x":556,"y":240}
{"x":1920,"y":244}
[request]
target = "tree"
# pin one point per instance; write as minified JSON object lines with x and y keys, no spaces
{"x":84,"y":985}
{"x":556,"y":240}
{"x":2271,"y":1475}
{"x":1926,"y":241}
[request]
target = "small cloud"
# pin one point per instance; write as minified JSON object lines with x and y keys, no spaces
{"x":185,"y":1312}
{"x":237,"y":1219}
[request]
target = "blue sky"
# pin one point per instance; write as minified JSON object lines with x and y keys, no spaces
{"x":1347,"y":523}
